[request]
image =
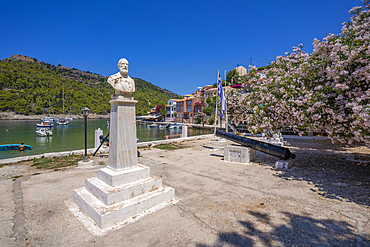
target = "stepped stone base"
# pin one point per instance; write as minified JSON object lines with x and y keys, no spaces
{"x":115,"y":196}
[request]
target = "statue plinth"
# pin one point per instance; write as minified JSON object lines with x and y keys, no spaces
{"x":122,"y":135}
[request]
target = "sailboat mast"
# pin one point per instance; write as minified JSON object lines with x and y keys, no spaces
{"x":63,"y":102}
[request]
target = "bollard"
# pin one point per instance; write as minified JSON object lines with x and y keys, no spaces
{"x":98,"y":133}
{"x":184,"y":131}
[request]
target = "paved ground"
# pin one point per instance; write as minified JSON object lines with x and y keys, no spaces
{"x":220,"y":203}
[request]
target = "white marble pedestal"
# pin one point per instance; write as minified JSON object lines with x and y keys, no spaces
{"x":124,"y":188}
{"x":114,"y":196}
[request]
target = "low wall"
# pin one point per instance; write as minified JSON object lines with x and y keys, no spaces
{"x":101,"y":150}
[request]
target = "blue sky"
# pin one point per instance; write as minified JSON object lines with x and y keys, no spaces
{"x":177,"y":45}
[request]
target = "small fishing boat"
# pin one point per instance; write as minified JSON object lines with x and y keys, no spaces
{"x":62,"y":122}
{"x":152,"y":126}
{"x":162,"y":126}
{"x":44,"y":132}
{"x":45,"y":125}
{"x":175,"y":126}
{"x":48,"y":119}
{"x":7,"y":147}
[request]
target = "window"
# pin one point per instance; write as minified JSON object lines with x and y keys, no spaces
{"x":189,"y":108}
{"x":181,"y":109}
{"x":189,"y":102}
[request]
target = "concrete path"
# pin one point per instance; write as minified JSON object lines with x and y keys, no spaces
{"x":220,"y":204}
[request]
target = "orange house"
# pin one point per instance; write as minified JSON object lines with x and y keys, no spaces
{"x":187,"y":108}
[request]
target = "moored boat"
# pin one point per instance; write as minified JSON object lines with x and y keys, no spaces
{"x":45,"y":125}
{"x":62,"y":122}
{"x":175,"y":126}
{"x":48,"y":119}
{"x":44,"y":132}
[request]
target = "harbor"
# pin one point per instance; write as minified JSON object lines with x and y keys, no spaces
{"x":70,"y":137}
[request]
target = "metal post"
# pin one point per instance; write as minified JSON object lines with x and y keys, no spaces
{"x":214,"y":135}
{"x":85,"y":158}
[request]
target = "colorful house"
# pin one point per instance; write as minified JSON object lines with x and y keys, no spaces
{"x":210,"y":92}
{"x":188,"y":108}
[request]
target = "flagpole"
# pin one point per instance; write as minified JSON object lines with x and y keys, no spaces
{"x":227,"y":120}
{"x":214,"y":134}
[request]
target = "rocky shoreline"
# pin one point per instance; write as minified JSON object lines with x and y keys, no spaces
{"x":14,"y":116}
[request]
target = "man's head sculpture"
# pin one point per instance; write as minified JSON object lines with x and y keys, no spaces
{"x":121,"y":82}
{"x":123,"y":66}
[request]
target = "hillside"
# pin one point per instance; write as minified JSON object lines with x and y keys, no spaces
{"x":27,"y":84}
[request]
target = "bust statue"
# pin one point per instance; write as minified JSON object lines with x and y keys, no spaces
{"x":121,"y":82}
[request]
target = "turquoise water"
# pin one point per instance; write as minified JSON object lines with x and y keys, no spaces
{"x":71,"y":137}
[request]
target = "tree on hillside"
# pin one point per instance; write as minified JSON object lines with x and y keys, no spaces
{"x":232,"y":77}
{"x":328,"y":90}
{"x":27,"y":86}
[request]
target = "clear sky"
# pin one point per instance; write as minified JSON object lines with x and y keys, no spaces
{"x":174,"y":44}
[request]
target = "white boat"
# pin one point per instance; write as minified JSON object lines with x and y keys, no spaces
{"x":175,"y":126}
{"x":62,"y":122}
{"x":44,"y":132}
{"x":44,"y":124}
{"x":47,"y":119}
{"x":152,"y":126}
{"x":162,"y":126}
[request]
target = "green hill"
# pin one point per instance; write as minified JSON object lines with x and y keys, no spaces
{"x":27,"y":84}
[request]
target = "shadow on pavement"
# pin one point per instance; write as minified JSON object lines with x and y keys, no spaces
{"x":329,"y":168}
{"x":207,"y":147}
{"x":297,"y":230}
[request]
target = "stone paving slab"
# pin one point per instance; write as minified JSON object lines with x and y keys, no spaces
{"x":219,"y":204}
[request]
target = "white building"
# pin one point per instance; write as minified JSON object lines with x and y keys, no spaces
{"x":241,"y":70}
{"x":171,"y":110}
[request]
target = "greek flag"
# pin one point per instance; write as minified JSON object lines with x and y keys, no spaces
{"x":221,"y":93}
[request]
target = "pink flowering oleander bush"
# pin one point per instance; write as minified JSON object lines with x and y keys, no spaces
{"x":158,"y":108}
{"x":200,"y":105}
{"x":327,"y":90}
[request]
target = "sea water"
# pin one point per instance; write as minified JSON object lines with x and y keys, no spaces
{"x":70,"y":137}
